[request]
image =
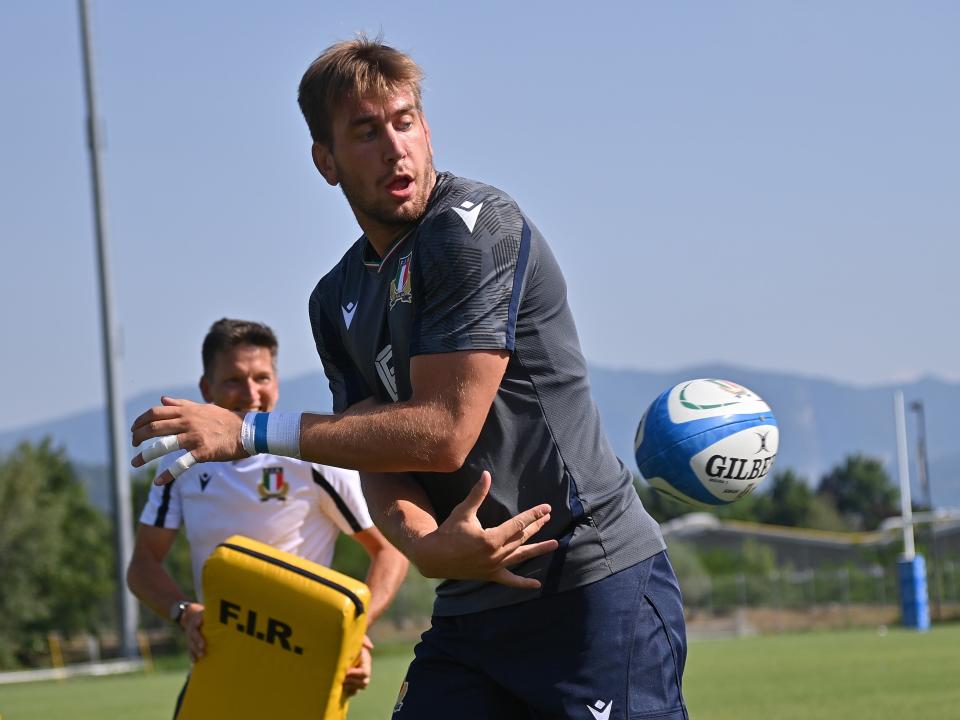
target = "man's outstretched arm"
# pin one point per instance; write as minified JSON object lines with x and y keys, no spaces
{"x":433,"y":431}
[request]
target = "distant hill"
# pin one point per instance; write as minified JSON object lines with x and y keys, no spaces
{"x":821,"y":421}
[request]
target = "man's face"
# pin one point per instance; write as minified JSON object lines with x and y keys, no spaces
{"x":242,"y":378}
{"x":382,"y":160}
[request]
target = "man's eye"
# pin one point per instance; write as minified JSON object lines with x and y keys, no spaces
{"x":404,"y":124}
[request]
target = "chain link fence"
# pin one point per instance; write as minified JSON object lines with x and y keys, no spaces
{"x":788,"y":600}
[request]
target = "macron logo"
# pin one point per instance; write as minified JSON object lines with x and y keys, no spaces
{"x":468,"y":212}
{"x":348,"y":311}
{"x":600,"y":710}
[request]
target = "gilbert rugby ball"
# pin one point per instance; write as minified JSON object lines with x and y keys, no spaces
{"x":706,"y":442}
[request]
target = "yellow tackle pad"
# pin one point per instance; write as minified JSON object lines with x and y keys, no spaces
{"x":281,"y":634}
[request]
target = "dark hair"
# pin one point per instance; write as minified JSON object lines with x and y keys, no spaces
{"x":226,"y":334}
{"x":353,"y":69}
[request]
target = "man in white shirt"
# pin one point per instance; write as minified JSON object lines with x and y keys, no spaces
{"x":295,"y":506}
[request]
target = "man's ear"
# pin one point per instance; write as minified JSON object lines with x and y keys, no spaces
{"x":205,"y":389}
{"x":323,"y":159}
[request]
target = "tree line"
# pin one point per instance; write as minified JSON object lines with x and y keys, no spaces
{"x":855,"y":495}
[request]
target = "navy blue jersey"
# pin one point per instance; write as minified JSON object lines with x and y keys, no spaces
{"x":475,"y":274}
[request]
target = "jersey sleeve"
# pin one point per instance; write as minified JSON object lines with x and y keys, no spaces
{"x":341,"y":498}
{"x":468,"y":274}
{"x":347,"y":385}
{"x":163,"y":508}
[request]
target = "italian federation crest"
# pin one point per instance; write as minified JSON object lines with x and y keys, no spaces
{"x":400,"y":285}
{"x":273,"y":486}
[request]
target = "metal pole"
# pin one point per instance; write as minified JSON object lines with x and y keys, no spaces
{"x":906,"y":510}
{"x":924,"y":472}
{"x":951,"y":569}
{"x":776,"y":580}
{"x":122,"y":523}
{"x":844,"y":574}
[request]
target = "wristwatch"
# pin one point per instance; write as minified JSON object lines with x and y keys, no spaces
{"x":177,"y":610}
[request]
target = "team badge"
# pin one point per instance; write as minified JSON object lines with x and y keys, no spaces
{"x":273,"y":486}
{"x":403,"y":693}
{"x":400,"y":285}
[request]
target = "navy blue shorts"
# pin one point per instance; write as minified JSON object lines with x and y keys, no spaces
{"x":612,"y":650}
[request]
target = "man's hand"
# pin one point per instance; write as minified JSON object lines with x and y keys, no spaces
{"x":191,"y":622}
{"x":358,"y":677}
{"x":461,"y":549}
{"x":209,"y":432}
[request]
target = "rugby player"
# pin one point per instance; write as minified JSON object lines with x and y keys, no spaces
{"x":451,"y":350}
{"x":292,"y":505}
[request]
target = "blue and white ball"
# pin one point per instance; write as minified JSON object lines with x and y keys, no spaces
{"x":706,"y":442}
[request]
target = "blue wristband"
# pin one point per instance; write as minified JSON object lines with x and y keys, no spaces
{"x":260,"y":421}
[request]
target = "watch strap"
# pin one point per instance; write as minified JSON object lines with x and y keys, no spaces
{"x":177,"y":610}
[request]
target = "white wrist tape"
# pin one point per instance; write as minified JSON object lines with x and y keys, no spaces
{"x":276,"y":433}
{"x":283,"y":434}
{"x":182,"y":464}
{"x":158,"y":447}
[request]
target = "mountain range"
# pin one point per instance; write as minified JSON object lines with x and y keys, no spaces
{"x":821,"y":421}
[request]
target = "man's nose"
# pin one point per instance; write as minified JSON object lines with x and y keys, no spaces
{"x":251,"y":391}
{"x":394,"y":149}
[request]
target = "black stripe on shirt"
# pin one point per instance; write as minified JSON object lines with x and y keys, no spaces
{"x":341,"y":505}
{"x":164,"y":505}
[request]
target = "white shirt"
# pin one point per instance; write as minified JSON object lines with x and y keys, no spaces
{"x":290,"y":504}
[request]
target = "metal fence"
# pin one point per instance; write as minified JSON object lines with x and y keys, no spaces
{"x":786,"y":600}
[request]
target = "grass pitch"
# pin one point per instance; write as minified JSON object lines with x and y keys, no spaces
{"x":830,"y":675}
{"x":850,"y":675}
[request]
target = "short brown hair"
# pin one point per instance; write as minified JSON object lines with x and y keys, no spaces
{"x":226,"y":334}
{"x":353,"y":69}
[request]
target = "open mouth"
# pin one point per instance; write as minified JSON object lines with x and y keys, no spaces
{"x":401,"y":186}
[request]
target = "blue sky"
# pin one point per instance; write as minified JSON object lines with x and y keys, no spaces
{"x":770,"y":184}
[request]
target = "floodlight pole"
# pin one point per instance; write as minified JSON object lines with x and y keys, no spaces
{"x":122,"y":522}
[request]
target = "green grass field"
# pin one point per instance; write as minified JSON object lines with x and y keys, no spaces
{"x":848,"y":675}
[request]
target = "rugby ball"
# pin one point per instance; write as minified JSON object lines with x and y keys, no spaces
{"x":706,"y":442}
